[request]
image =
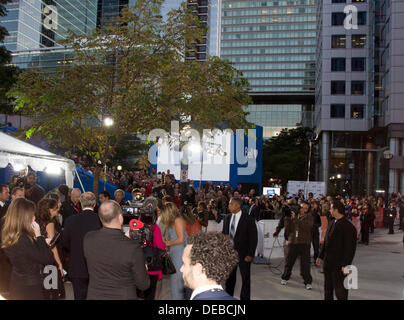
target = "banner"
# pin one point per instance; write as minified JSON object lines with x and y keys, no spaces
{"x":273,"y":246}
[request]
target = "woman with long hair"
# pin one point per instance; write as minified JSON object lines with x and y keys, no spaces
{"x":46,"y":216}
{"x":27,"y":250}
{"x":175,"y":238}
{"x":149,"y":218}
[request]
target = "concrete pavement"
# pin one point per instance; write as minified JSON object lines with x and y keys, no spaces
{"x":380,"y":269}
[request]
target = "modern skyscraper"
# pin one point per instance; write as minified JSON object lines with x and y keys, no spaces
{"x":110,"y":9}
{"x":359,"y":110}
{"x":36,"y":28}
{"x":274,"y":44}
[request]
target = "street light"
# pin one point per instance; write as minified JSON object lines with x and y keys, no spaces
{"x":108,"y":122}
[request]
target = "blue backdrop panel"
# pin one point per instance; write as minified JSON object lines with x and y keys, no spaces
{"x":87,"y":180}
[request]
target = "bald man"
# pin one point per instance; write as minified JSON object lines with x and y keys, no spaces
{"x":71,"y":205}
{"x":115,"y":263}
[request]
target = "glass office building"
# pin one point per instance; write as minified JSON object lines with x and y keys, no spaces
{"x":35,"y":24}
{"x":274,"y":44}
{"x":36,"y":28}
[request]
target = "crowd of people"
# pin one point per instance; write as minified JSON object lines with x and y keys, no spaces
{"x":83,"y":238}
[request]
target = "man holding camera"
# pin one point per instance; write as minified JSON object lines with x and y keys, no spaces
{"x":299,"y":229}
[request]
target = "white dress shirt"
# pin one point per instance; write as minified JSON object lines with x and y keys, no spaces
{"x":204,"y":289}
{"x":2,"y":204}
{"x":236,"y":216}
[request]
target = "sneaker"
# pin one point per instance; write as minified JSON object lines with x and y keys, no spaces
{"x":283,"y":282}
{"x":309,"y":286}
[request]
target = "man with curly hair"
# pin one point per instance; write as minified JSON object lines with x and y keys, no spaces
{"x":208,"y":260}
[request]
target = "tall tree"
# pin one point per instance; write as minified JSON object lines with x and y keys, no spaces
{"x":285,"y":156}
{"x":134,"y":71}
{"x":8,"y":73}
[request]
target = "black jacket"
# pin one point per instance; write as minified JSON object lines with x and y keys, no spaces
{"x":339,"y":244}
{"x":214,"y":295}
{"x":116,"y":265}
{"x":28,"y":258}
{"x":35,"y":193}
{"x":245,"y":238}
{"x":68,"y":209}
{"x":254,"y":212}
{"x":316,"y":222}
{"x":76,"y":227}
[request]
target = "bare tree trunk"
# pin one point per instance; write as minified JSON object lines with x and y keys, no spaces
{"x":97,"y":172}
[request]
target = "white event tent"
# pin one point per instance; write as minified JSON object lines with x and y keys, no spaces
{"x":21,"y":154}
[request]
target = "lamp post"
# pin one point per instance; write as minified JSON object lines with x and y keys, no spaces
{"x":311,"y":136}
{"x":108,"y":122}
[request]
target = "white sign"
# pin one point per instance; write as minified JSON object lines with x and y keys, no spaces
{"x":316,"y":187}
{"x":273,"y":246}
{"x":271,"y":191}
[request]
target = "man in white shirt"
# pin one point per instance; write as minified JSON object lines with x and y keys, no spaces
{"x":208,"y":260}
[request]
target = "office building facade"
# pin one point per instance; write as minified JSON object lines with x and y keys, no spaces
{"x":37,"y":27}
{"x":358,"y":115}
{"x":274,"y":44}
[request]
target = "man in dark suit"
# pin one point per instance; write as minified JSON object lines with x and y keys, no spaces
{"x":243,"y":232}
{"x":33,"y":191}
{"x":337,"y":252}
{"x":71,"y":205}
{"x":254,"y":210}
{"x":4,"y":196}
{"x":76,"y":227}
{"x":116,"y":263}
{"x":208,"y":260}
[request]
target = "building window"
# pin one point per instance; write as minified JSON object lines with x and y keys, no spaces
{"x":358,"y":88}
{"x":357,"y":111}
{"x":362,"y":18}
{"x":337,"y":87}
{"x":338,"y":64}
{"x":358,"y":41}
{"x":358,"y":64}
{"x":337,"y":111}
{"x":338,"y":18}
{"x":338,"y":41}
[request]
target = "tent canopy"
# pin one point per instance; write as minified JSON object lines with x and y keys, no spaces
{"x":21,"y":154}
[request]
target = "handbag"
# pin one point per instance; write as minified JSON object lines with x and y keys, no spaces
{"x":168,"y":265}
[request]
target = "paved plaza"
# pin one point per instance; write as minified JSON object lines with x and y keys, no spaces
{"x":380,"y":267}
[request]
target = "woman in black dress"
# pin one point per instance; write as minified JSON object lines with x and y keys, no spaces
{"x":27,"y":250}
{"x":46,"y":216}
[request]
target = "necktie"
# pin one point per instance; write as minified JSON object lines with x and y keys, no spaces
{"x":232,"y":228}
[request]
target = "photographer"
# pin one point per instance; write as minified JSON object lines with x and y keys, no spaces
{"x":299,"y":228}
{"x":215,"y":217}
{"x":148,"y":215}
{"x":165,"y":189}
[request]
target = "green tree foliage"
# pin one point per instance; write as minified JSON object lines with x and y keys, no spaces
{"x":133,"y":70}
{"x":285,"y":156}
{"x":8,"y":74}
